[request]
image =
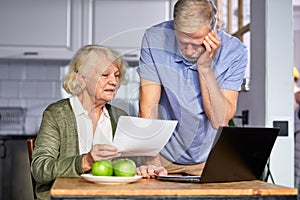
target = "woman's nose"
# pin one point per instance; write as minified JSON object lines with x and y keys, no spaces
{"x":113,"y":80}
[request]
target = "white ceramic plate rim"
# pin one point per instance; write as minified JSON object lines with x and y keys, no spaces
{"x":110,"y":179}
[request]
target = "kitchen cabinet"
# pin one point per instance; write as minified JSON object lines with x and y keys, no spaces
{"x":15,"y":177}
{"x":40,"y":29}
{"x":121,"y":23}
{"x":43,"y":29}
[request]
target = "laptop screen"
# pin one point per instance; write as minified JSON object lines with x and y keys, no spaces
{"x":239,"y":154}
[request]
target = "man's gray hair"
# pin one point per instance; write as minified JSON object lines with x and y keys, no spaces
{"x":190,"y":15}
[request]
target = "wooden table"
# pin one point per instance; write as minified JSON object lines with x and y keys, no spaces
{"x":78,"y":188}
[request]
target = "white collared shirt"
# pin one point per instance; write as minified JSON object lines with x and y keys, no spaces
{"x":86,"y":138}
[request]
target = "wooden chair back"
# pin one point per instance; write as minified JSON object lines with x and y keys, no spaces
{"x":30,"y":146}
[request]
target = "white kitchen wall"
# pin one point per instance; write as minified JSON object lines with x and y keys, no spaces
{"x":271,"y":89}
{"x":296,"y":13}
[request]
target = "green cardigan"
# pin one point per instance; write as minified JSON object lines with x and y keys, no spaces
{"x":56,"y":151}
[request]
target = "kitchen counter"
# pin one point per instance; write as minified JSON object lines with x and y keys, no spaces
{"x":17,"y":137}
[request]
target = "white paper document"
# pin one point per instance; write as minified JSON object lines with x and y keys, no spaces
{"x":142,"y":137}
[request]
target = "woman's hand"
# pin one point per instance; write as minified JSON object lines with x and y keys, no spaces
{"x":99,"y":152}
{"x":150,"y":171}
{"x":104,"y":152}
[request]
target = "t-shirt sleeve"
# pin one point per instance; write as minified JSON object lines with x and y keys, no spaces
{"x":235,"y":62}
{"x":147,"y":67}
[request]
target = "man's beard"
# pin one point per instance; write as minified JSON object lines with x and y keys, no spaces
{"x":190,"y":59}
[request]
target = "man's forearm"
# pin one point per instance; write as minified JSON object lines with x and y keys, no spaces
{"x":214,"y":100}
{"x":149,"y":98}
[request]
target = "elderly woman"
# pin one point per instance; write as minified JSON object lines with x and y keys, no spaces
{"x":79,"y":130}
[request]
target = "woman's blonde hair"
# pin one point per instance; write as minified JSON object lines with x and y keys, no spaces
{"x":81,"y":62}
{"x":189,"y":15}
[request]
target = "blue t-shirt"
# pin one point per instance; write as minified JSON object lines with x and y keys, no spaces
{"x":181,"y":99}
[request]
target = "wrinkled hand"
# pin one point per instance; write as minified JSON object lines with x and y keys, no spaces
{"x":150,"y":171}
{"x":99,"y":152}
{"x":212,"y":43}
{"x":104,"y":152}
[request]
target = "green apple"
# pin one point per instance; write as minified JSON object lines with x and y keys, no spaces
{"x":102,"y":168}
{"x":124,"y":167}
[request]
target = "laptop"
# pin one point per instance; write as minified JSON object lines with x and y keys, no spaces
{"x":239,"y":154}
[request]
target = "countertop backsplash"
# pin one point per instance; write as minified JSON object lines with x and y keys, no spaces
{"x":34,"y":84}
{"x":31,"y":84}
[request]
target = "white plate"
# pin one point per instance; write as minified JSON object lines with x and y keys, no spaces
{"x":110,"y":179}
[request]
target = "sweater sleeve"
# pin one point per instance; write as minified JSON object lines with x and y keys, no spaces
{"x":56,"y":151}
